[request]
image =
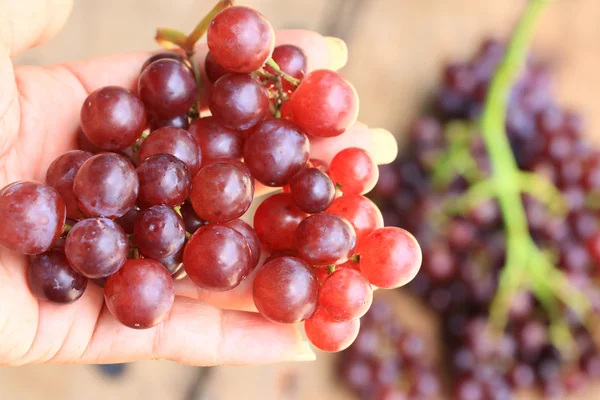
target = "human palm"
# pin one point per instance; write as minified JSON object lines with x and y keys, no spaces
{"x":39,"y":119}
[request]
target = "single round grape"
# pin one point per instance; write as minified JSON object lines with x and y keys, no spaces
{"x":174,"y":141}
{"x":292,"y":60}
{"x":106,"y":185}
{"x":354,"y":171}
{"x":240,"y":39}
{"x":191,"y":221}
{"x":174,"y":262}
{"x":167,"y":88}
{"x":327,"y":334}
{"x":361,"y":212}
{"x":113,"y":118}
{"x":275,"y":150}
{"x":325,"y":104}
{"x":140,"y":294}
{"x":213,"y":69}
{"x":32,"y":215}
{"x":61,"y":174}
{"x":346,"y":295}
{"x":276,"y":220}
{"x":180,"y":121}
{"x":168,"y":55}
{"x":239,"y":101}
{"x":312,"y":190}
{"x":51,"y":278}
{"x":221,"y":192}
{"x":164,"y":180}
{"x":217,"y":258}
{"x":251,"y":238}
{"x":325,"y":239}
{"x":159,"y":232}
{"x":285,"y":290}
{"x":216,"y":140}
{"x":126,"y":221}
{"x":390,"y":257}
{"x":97,"y":247}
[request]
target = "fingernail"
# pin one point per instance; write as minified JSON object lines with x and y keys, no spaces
{"x":338,"y":52}
{"x":305,"y":353}
{"x":385,"y":146}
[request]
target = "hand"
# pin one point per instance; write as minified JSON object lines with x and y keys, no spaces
{"x":39,"y":118}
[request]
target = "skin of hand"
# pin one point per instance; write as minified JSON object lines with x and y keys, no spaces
{"x":39,"y":118}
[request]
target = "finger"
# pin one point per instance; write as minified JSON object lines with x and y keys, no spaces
{"x":29,"y":23}
{"x":197,"y":334}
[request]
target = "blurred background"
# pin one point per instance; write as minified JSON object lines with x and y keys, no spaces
{"x":397,"y":49}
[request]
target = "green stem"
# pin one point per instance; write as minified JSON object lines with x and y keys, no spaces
{"x":289,"y":78}
{"x":170,"y":38}
{"x":66,"y":229}
{"x":202,"y":27}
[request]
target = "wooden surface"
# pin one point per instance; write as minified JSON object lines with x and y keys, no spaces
{"x":396,"y":49}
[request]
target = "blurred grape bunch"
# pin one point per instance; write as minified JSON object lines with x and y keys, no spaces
{"x":483,"y":181}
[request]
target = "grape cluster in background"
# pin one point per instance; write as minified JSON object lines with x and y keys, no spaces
{"x":156,"y":191}
{"x":463,"y":255}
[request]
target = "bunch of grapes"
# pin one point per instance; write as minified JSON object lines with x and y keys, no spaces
{"x":465,"y":254}
{"x":157,"y":192}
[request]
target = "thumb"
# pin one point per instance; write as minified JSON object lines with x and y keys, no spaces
{"x":28,"y":23}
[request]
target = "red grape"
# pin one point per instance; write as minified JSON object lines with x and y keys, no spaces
{"x":167,"y":55}
{"x":97,"y":247}
{"x":51,"y":278}
{"x":216,"y":140}
{"x":325,"y":104}
{"x":275,"y":150}
{"x":361,"y":212}
{"x":312,"y":190}
{"x":174,"y":262}
{"x":140,"y":294}
{"x":176,"y":142}
{"x":285,"y":290}
{"x":239,"y":101}
{"x":251,"y":238}
{"x":217,"y":258}
{"x":292,"y":60}
{"x":221,"y":192}
{"x":61,"y":174}
{"x":346,"y":295}
{"x":281,"y":253}
{"x":159,"y":232}
{"x":106,"y":185}
{"x":353,"y":171}
{"x":113,"y":118}
{"x":191,"y":221}
{"x":127,"y":220}
{"x":32,"y":215}
{"x":164,"y":180}
{"x":276,"y":220}
{"x":390,"y":257}
{"x":240,"y":39}
{"x":327,"y":334}
{"x":180,"y":121}
{"x":167,"y":88}
{"x":213,"y":69}
{"x":325,"y":239}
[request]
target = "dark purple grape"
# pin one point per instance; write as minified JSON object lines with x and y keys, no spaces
{"x":164,"y":180}
{"x":180,"y":121}
{"x":51,"y":278}
{"x":167,"y":55}
{"x":176,"y":142}
{"x":312,"y":190}
{"x":141,"y":294}
{"x":61,"y":174}
{"x":159,"y":232}
{"x":217,"y":141}
{"x":275,"y":151}
{"x":213,"y":69}
{"x":239,"y":101}
{"x":191,"y":221}
{"x":97,"y":247}
{"x":174,"y":262}
{"x":32,"y":215}
{"x":127,"y":220}
{"x":113,"y":118}
{"x":217,"y":257}
{"x":106,"y":185}
{"x":325,"y":239}
{"x":167,"y":88}
{"x":222,"y":192}
{"x":251,"y":238}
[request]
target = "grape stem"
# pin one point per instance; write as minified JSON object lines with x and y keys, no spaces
{"x":527,"y":266}
{"x":66,"y":229}
{"x":271,"y":63}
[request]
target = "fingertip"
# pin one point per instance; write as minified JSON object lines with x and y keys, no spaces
{"x":384,"y":147}
{"x":338,"y":52}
